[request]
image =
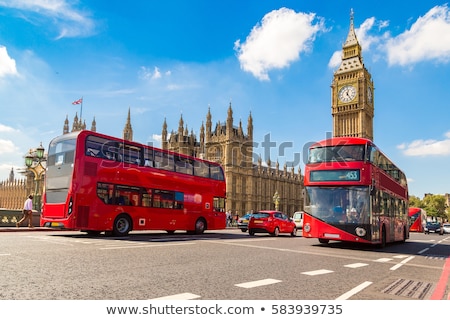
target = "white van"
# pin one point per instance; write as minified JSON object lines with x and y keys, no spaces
{"x":298,"y":219}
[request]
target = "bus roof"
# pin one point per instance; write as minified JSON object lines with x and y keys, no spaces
{"x":73,"y":135}
{"x":341,"y":141}
{"x":414,"y":210}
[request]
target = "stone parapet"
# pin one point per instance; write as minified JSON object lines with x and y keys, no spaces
{"x":9,"y":218}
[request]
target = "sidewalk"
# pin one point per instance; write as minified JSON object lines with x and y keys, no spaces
{"x":24,"y":228}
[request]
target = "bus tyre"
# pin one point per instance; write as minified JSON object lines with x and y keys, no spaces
{"x":251,"y":232}
{"x":200,"y":226}
{"x":122,"y":225}
{"x":404,"y":235}
{"x":323,"y":241}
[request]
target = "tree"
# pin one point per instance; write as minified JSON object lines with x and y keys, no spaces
{"x":415,"y":202}
{"x":435,"y":206}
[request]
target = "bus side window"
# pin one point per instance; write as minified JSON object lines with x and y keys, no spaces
{"x":216,"y":172}
{"x":201,"y":169}
{"x":183,"y":165}
{"x":147,"y":198}
{"x":148,"y":163}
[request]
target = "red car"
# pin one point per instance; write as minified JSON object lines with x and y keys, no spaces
{"x":272,"y":222}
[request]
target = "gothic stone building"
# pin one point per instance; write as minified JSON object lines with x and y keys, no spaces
{"x":250,"y":186}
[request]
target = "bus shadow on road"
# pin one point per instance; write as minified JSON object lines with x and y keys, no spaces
{"x":155,"y":236}
{"x":414,"y":248}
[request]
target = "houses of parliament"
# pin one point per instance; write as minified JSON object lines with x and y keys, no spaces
{"x":252,"y":185}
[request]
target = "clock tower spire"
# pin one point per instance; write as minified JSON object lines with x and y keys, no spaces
{"x":352,"y":104}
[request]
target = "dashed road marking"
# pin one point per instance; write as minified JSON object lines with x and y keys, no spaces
{"x":181,"y":296}
{"x":354,"y":291}
{"x":398,"y":265}
{"x":383,"y":260}
{"x":258,"y":283}
{"x":356,"y":265}
{"x":317,"y":272}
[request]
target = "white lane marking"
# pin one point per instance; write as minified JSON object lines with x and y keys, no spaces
{"x":5,"y":254}
{"x":354,"y":291}
{"x":398,"y":265}
{"x":424,"y":250}
{"x":356,"y":265}
{"x":257,"y":283}
{"x":181,"y":296}
{"x":147,"y":246}
{"x":383,"y":260}
{"x":317,"y":272}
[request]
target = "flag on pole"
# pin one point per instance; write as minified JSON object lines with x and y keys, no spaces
{"x":79,"y":101}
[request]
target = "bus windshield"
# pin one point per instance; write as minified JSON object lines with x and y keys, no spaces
{"x":338,"y":204}
{"x":336,"y":153}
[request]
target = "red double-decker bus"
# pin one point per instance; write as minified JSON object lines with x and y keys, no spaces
{"x":417,"y":219}
{"x":354,"y":193}
{"x":97,"y":183}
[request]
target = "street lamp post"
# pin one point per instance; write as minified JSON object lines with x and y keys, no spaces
{"x":36,"y":162}
{"x":276,"y":200}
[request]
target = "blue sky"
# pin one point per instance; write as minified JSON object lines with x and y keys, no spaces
{"x":273,"y":59}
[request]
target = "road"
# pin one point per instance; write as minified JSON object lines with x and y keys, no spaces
{"x":225,"y":265}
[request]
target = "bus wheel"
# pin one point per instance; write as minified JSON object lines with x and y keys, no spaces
{"x":122,"y":225}
{"x":200,"y":226}
{"x":251,"y":232}
{"x":324,"y":241}
{"x":404,"y":235}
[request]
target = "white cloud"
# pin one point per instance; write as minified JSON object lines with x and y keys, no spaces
{"x":335,"y":60}
{"x":277,"y":41}
{"x":7,"y":146}
{"x":148,"y":74}
{"x":4,"y":128}
{"x":61,"y":13}
{"x":7,"y":64}
{"x":428,"y":39}
{"x":427,"y":147}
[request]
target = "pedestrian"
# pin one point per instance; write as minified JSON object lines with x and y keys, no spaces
{"x":27,"y":212}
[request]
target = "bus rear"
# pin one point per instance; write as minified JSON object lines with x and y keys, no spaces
{"x":57,"y":199}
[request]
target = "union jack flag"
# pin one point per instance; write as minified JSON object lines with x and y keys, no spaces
{"x":79,"y":101}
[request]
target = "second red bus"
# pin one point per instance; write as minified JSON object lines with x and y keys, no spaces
{"x":417,"y":219}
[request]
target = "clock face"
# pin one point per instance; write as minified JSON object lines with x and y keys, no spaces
{"x":347,"y":93}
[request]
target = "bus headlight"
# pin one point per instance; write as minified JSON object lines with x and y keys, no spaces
{"x":360,"y":231}
{"x":307,"y":227}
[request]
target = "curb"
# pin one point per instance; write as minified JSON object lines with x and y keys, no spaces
{"x":26,"y":229}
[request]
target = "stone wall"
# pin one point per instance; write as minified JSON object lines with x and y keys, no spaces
{"x":9,"y":218}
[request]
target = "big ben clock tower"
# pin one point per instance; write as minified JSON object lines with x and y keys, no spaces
{"x":352,"y":103}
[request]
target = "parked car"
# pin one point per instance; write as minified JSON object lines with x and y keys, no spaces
{"x":298,"y":219}
{"x":433,"y":227}
{"x":242,"y":222}
{"x":446,"y":227}
{"x":272,"y":222}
